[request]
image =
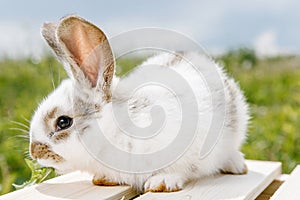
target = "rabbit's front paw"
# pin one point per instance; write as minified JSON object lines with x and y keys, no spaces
{"x":102,"y":181}
{"x":235,"y":165}
{"x":164,"y":183}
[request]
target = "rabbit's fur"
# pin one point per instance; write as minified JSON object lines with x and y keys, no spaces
{"x":88,"y":98}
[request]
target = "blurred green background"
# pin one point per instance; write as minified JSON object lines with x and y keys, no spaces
{"x":271,"y":85}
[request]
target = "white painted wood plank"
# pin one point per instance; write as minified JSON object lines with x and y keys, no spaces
{"x":290,"y":189}
{"x":260,"y":175}
{"x":71,"y":186}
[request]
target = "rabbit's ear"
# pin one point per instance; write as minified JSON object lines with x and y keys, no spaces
{"x":48,"y":31}
{"x":88,"y":53}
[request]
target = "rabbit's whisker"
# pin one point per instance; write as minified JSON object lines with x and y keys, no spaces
{"x":20,"y":124}
{"x":52,"y":78}
{"x":23,"y":136}
{"x":20,"y":129}
{"x":27,"y":120}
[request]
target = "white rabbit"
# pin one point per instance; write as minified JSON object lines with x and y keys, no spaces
{"x":86,"y":102}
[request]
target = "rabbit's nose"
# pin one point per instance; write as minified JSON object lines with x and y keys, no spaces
{"x":37,"y":150}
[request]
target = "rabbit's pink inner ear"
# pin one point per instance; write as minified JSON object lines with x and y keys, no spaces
{"x":85,"y":43}
{"x":85,"y":52}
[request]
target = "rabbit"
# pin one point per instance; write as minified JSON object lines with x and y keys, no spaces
{"x":87,"y":99}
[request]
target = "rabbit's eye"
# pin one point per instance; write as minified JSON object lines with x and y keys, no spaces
{"x":63,"y":122}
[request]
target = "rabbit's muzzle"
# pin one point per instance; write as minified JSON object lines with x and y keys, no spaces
{"x":39,"y":150}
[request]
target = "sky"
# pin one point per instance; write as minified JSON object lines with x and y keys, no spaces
{"x":269,"y":26}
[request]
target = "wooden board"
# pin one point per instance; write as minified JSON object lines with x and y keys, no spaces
{"x":290,"y":189}
{"x":71,"y":186}
{"x":78,"y":186}
{"x":260,"y":175}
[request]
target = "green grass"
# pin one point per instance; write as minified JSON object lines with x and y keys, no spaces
{"x":22,"y":85}
{"x":272,"y":87}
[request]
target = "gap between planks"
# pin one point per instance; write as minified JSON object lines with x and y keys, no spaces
{"x":290,"y":188}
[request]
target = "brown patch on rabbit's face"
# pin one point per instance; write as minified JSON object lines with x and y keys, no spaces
{"x":58,"y":137}
{"x":39,"y":150}
{"x":51,"y":114}
{"x":48,"y":117}
{"x":49,"y":124}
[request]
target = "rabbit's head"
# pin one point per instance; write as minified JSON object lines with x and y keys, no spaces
{"x":84,"y":51}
